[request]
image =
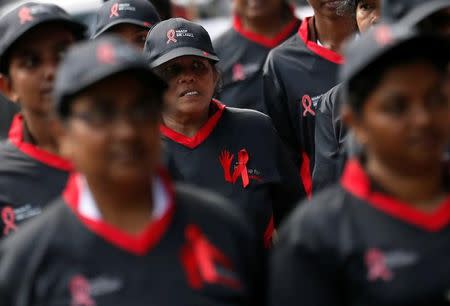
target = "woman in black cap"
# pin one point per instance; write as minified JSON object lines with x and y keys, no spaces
{"x":234,"y":152}
{"x":130,"y":19}
{"x":122,"y":234}
{"x":257,"y":28}
{"x":33,"y":40}
{"x":380,"y":236}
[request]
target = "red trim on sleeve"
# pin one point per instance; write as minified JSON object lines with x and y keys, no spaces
{"x":137,"y":244}
{"x":265,"y":41}
{"x":305,"y":174}
{"x":356,"y":181}
{"x":202,"y":134}
{"x":15,"y":136}
{"x":268,"y":234}
{"x":314,"y":47}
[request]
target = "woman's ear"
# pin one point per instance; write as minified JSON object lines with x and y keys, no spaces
{"x":7,"y":89}
{"x":353,"y":121}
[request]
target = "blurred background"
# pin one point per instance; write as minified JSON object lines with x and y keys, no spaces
{"x":214,"y":15}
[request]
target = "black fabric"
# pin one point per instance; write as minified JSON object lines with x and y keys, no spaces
{"x":63,"y":250}
{"x":26,"y":186}
{"x":325,"y":251}
{"x":19,"y":21}
{"x":330,"y":139}
{"x":291,"y":72}
{"x":91,"y":61}
{"x":241,"y":69}
{"x":176,"y":37}
{"x":7,"y":111}
{"x":274,"y":182}
{"x":138,"y":12}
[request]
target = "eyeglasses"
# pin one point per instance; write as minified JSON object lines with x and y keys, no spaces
{"x":102,"y":117}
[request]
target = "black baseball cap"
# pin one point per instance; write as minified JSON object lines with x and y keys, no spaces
{"x":114,"y":12}
{"x":177,"y":37}
{"x":383,"y":41}
{"x":394,"y":10}
{"x":92,"y":61}
{"x":28,"y":16}
{"x":424,"y":10}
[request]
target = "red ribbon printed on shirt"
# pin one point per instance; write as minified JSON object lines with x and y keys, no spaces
{"x":8,"y":218}
{"x":226,"y":158}
{"x":307,"y":106}
{"x":203,"y":262}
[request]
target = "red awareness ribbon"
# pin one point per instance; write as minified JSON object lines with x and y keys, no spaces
{"x":80,"y":291}
{"x":171,"y":36}
{"x":238,"y":72}
{"x":206,"y":256}
{"x":377,"y":267}
{"x":8,"y":218}
{"x":114,"y":10}
{"x":241,"y":169}
{"x":25,"y":15}
{"x":307,"y":106}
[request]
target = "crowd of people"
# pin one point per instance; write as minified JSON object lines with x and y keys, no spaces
{"x":287,"y":162}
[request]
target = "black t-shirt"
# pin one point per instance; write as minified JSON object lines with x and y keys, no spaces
{"x":354,"y":245}
{"x":330,"y":139}
{"x":239,"y":155}
{"x":295,"y":74}
{"x":29,"y":178}
{"x":242,"y":55}
{"x":200,"y":252}
{"x":8,"y":110}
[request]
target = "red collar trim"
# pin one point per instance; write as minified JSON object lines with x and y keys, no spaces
{"x":356,"y":181}
{"x":265,"y":41}
{"x":201,"y":135}
{"x":138,"y":245}
{"x":15,"y":136}
{"x":314,"y":47}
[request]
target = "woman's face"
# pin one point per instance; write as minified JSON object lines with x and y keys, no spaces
{"x":367,"y":14}
{"x":32,"y":67}
{"x":192,"y":81}
{"x":331,"y":8}
{"x":405,"y":122}
{"x":133,"y":34}
{"x":257,"y":8}
{"x":112,"y":131}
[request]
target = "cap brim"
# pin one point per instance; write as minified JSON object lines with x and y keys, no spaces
{"x":434,"y":47}
{"x":108,"y":72}
{"x":78,"y":29}
{"x":122,"y":21}
{"x":178,"y":52}
{"x":423,"y":11}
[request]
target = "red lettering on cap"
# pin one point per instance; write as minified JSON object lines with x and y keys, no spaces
{"x":114,"y":11}
{"x":171,"y":36}
{"x":383,"y":35}
{"x":106,"y":54}
{"x":25,"y":15}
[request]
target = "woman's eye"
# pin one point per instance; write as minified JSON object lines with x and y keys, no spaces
{"x":31,"y":61}
{"x":365,"y":6}
{"x":198,"y":66}
{"x":396,"y":107}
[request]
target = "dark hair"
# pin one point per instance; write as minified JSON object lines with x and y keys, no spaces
{"x":364,"y":83}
